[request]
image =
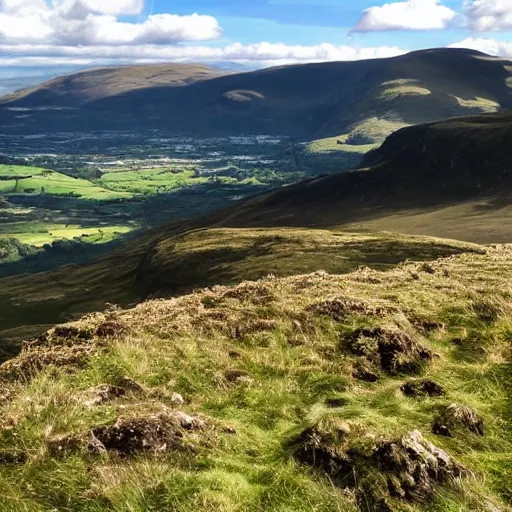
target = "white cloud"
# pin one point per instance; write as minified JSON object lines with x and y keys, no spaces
{"x":489,"y":15}
{"x":77,"y":8}
{"x":91,"y":22}
{"x":258,"y":54}
{"x":489,"y":46}
{"x":406,"y":15}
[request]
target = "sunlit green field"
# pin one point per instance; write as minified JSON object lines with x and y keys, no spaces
{"x":39,"y":234}
{"x":37,"y":181}
{"x":149,"y":181}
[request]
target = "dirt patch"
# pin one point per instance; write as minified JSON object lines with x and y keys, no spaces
{"x":62,"y":335}
{"x":422,"y":388}
{"x":30,"y":362}
{"x":256,"y":293}
{"x":385,"y":474}
{"x":235,"y":376}
{"x":113,"y":328}
{"x":455,"y":418}
{"x":391,"y":350}
{"x":12,"y":457}
{"x":325,"y":446}
{"x":161,"y":432}
{"x":341,"y":307}
{"x":425,"y":325}
{"x":248,"y":327}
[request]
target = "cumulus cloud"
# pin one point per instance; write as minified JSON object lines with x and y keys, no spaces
{"x":257,"y":54}
{"x":80,"y":8}
{"x":92,"y":22}
{"x":489,"y":15}
{"x":485,"y":45}
{"x":406,"y":15}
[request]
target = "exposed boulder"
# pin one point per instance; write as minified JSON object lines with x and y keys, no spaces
{"x":384,"y":473}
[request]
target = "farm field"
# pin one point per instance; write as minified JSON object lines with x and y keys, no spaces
{"x":92,"y":191}
{"x":39,"y":234}
{"x":26,"y":180}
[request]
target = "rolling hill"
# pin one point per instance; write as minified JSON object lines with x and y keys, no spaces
{"x":360,"y":102}
{"x":76,"y":89}
{"x":449,"y":179}
{"x":372,"y":391}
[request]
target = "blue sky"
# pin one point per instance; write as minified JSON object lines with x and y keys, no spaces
{"x":44,"y":36}
{"x":311,"y":22}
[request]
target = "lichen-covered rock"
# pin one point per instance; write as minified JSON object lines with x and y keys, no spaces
{"x":454,"y":418}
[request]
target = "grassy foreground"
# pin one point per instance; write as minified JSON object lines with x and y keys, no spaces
{"x":313,"y":392}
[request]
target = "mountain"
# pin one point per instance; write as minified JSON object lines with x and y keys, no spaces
{"x":356,"y":100}
{"x":449,"y":179}
{"x":77,"y":89}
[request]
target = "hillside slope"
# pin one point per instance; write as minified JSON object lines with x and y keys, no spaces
{"x":353,"y":100}
{"x":372,"y":391}
{"x":448,"y":179}
{"x":451,"y":179}
{"x":76,"y":89}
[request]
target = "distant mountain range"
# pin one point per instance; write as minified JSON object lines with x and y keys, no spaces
{"x":365,"y":98}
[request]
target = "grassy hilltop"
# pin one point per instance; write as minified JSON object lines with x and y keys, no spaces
{"x":374,"y":390}
{"x":284,"y":354}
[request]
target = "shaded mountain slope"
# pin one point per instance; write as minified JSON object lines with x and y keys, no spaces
{"x":306,"y":101}
{"x":458,"y":164}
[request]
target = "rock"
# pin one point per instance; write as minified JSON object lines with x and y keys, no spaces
{"x":102,"y":394}
{"x":414,"y":466}
{"x":456,"y":417}
{"x":177,"y":399}
{"x":385,"y":475}
{"x":422,"y":388}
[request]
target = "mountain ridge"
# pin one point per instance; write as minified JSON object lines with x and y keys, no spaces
{"x":305,"y":100}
